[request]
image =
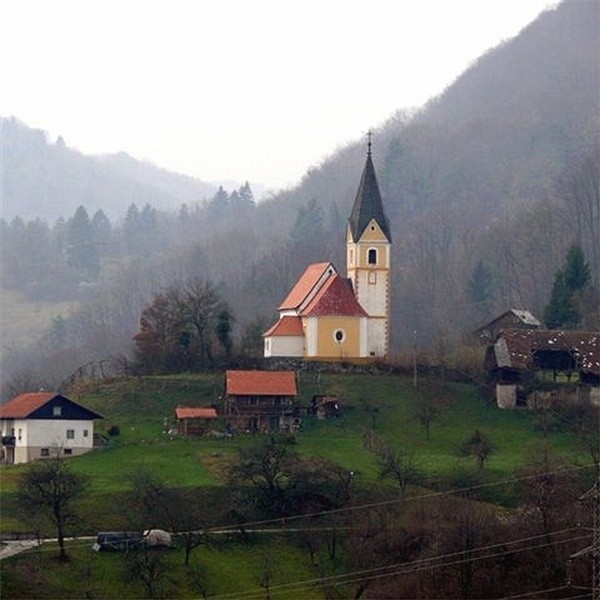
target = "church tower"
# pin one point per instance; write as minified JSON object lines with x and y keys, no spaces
{"x":368,"y":250}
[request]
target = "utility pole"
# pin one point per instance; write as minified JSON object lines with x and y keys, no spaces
{"x":415,"y":358}
{"x":593,"y":551}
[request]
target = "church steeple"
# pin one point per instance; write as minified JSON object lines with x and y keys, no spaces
{"x":367,"y":204}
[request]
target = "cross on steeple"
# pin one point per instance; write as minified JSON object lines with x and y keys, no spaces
{"x":369,"y":134}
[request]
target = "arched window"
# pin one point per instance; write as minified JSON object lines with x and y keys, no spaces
{"x":372,"y":256}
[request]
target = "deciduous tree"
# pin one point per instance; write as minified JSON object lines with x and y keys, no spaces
{"x":52,"y":487}
{"x":478,"y":446}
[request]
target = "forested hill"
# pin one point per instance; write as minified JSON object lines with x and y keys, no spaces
{"x":40,"y":179}
{"x":486,"y":188}
{"x":497,"y":136}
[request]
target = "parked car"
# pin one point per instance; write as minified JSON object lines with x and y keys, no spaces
{"x":124,"y":540}
{"x":117,"y":540}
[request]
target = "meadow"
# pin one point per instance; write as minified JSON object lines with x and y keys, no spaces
{"x":384,"y":407}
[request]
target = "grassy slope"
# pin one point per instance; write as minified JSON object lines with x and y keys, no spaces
{"x":235,"y":566}
{"x":140,"y":408}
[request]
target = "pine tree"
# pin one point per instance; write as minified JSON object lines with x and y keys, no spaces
{"x":82,"y":252}
{"x":563,"y":310}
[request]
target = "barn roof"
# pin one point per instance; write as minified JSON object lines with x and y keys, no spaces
{"x":287,"y":326}
{"x":195,"y":412}
{"x":524,"y":316}
{"x":335,"y":298}
{"x":23,"y":405}
{"x":260,"y":383}
{"x":515,"y":348}
{"x":305,"y":285}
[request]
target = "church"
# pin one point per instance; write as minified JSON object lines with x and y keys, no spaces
{"x":327,"y":316}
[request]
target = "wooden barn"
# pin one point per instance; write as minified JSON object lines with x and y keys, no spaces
{"x":520,"y":357}
{"x":514,"y":318}
{"x":261,"y":401}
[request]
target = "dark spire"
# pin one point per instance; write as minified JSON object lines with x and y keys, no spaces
{"x":367,"y":204}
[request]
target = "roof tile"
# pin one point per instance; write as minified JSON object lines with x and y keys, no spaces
{"x":305,"y":285}
{"x":261,"y":383}
{"x":23,"y":405}
{"x":335,"y":298}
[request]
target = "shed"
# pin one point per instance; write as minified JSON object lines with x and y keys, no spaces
{"x":517,"y":353}
{"x":194,"y":420}
{"x":325,"y":407}
{"x":515,"y":318}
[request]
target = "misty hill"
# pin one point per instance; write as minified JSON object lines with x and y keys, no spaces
{"x":496,"y":137}
{"x":50,"y":180}
{"x":486,"y":187}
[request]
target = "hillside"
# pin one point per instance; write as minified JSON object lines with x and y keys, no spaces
{"x":447,"y":507}
{"x":481,"y":186}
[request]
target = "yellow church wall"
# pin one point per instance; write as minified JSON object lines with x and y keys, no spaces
{"x":327,"y":344}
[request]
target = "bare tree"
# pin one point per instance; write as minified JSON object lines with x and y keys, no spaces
{"x":51,"y":486}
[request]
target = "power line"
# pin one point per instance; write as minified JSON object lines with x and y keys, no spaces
{"x":405,"y":568}
{"x":359,"y":507}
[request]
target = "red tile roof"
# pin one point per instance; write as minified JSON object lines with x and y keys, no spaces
{"x":23,"y":405}
{"x":286,"y":326}
{"x":260,"y":383}
{"x":305,"y":285}
{"x":195,"y":412}
{"x":335,"y":298}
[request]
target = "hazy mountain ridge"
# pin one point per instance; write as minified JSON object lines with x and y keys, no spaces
{"x":39,"y":179}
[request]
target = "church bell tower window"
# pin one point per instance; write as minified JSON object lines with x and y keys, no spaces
{"x":372,"y":258}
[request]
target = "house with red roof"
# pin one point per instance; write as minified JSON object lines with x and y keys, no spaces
{"x":41,"y":424}
{"x":327,"y":316}
{"x":261,"y":400}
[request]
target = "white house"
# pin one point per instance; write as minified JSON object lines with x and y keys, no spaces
{"x":36,"y":425}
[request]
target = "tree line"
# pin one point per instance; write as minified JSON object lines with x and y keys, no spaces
{"x":449,"y":276}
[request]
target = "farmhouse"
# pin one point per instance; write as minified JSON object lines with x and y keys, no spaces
{"x":519,"y":358}
{"x":36,"y":425}
{"x":329,"y":317}
{"x":261,"y":400}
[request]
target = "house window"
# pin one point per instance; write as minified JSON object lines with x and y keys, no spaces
{"x":276,"y":401}
{"x":20,"y":434}
{"x":339,"y":335}
{"x":372,"y":257}
{"x":45,"y":452}
{"x":252,"y":400}
{"x":70,"y":434}
{"x":85,"y":433}
{"x":56,"y":411}
{"x":372,"y":278}
{"x":68,"y":451}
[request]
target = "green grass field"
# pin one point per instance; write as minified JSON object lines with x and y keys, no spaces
{"x":381,"y":406}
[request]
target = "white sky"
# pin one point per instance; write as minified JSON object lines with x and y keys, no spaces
{"x":236,"y":89}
